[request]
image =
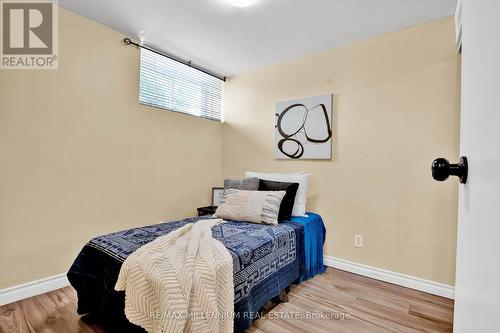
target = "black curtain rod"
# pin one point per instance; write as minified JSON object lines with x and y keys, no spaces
{"x":128,"y":41}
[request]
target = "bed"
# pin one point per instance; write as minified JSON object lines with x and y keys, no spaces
{"x":266,"y":260}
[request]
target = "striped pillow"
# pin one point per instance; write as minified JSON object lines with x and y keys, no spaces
{"x":250,"y":206}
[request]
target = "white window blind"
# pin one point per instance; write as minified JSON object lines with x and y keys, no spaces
{"x":171,"y":85}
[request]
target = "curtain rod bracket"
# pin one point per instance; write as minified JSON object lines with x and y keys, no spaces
{"x":127,"y":41}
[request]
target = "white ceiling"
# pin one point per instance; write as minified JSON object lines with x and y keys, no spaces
{"x":230,"y":40}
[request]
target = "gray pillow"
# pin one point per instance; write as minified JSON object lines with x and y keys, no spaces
{"x":247,"y":184}
{"x":250,"y":206}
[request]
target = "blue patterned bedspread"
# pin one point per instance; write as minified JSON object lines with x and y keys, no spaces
{"x":266,"y":259}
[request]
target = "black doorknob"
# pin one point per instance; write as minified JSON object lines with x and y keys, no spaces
{"x":442,"y":169}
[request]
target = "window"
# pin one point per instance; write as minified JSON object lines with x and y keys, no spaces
{"x":171,"y":85}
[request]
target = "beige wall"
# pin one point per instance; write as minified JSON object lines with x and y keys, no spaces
{"x":80,"y":156}
{"x":396,"y":100}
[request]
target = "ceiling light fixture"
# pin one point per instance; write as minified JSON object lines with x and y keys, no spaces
{"x":241,"y":3}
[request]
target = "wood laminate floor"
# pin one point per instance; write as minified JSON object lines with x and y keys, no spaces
{"x":335,"y":301}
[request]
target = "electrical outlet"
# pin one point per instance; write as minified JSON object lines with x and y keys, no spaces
{"x":358,"y":240}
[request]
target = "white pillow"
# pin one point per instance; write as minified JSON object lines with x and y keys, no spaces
{"x":299,"y":206}
{"x":250,"y":206}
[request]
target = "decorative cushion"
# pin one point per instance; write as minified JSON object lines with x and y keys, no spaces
{"x":250,"y":206}
{"x":248,"y":184}
{"x":286,"y":206}
{"x":299,"y":206}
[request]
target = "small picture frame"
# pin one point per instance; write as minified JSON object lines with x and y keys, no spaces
{"x":217,"y":195}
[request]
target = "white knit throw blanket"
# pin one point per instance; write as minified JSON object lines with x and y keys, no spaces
{"x":180,"y":282}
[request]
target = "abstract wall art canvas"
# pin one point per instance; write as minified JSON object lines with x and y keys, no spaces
{"x":303,"y":128}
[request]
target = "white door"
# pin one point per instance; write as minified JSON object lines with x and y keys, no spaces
{"x":477,"y":294}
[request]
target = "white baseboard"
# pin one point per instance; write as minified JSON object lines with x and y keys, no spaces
{"x":34,"y":288}
{"x":408,"y":281}
{"x":30,"y":289}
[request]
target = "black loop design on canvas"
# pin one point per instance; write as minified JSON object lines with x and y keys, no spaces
{"x":297,"y":154}
{"x":288,"y":137}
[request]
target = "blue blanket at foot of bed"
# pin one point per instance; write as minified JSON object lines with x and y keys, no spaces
{"x":314,"y":238}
